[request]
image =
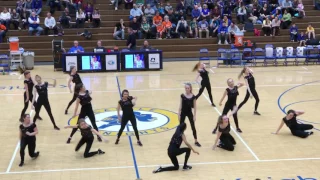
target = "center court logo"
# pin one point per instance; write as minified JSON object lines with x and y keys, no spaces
{"x":149,"y":121}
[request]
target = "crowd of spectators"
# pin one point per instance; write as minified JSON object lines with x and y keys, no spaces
{"x":191,"y":19}
{"x":27,"y":15}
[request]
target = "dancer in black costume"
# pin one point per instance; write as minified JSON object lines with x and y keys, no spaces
{"x":296,"y":129}
{"x":231,"y":104}
{"x":43,"y":100}
{"x":251,"y":88}
{"x":84,"y":99}
{"x":187,"y":103}
{"x":27,"y":96}
{"x":174,"y":150}
{"x":227,"y":142}
{"x":205,"y":82}
{"x":126,"y":104}
{"x":87,"y":138}
{"x":75,"y":78}
{"x":28,"y":132}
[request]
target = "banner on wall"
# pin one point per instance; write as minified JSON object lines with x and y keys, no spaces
{"x":71,"y":61}
{"x":111,"y":62}
{"x":154,"y":61}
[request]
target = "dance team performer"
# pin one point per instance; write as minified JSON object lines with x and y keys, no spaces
{"x":84,"y":99}
{"x":296,"y":129}
{"x":42,"y":89}
{"x":187,"y":103}
{"x":75,"y":78}
{"x":227,"y":142}
{"x":87,"y":138}
{"x":205,"y":82}
{"x":232,"y":93}
{"x":174,"y":150}
{"x":251,"y":88}
{"x":126,"y":105}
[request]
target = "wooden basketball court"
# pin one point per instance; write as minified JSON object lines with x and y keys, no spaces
{"x":258,"y":153}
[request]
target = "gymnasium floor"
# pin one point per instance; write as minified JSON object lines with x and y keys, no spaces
{"x":258,"y":153}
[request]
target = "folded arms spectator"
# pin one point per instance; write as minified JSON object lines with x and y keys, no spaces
{"x":34,"y":24}
{"x":293,"y":33}
{"x":196,"y":13}
{"x":310,"y":32}
{"x":5,"y":18}
{"x":266,"y":27}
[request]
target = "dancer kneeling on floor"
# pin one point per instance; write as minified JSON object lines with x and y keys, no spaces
{"x":227,"y":142}
{"x":296,"y":129}
{"x":174,"y":150}
{"x":87,"y":138}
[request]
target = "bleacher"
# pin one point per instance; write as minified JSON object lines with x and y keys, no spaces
{"x":172,"y":48}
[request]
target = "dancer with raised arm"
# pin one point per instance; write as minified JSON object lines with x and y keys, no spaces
{"x":75,"y":78}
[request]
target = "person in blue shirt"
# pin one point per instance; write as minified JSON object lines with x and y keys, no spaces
{"x":76,"y":48}
{"x":37,"y":6}
{"x":223,"y":33}
{"x":302,"y":39}
{"x":196,"y":13}
{"x":205,"y":13}
{"x":293,"y":33}
{"x":203,"y":27}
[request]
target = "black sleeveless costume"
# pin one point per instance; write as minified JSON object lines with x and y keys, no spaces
{"x":252,"y":87}
{"x":76,"y":80}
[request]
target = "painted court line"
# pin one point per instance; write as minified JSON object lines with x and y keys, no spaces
{"x":149,"y":166}
{"x":236,"y":133}
{"x":304,"y":68}
{"x":167,"y":89}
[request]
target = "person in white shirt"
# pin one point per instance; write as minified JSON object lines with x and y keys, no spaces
{"x":80,"y":18}
{"x":95,"y":64}
{"x":34,"y":22}
{"x":50,"y":24}
{"x":5,"y":18}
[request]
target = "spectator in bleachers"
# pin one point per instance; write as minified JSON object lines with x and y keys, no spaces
{"x":5,"y":18}
{"x":153,"y":4}
{"x":232,"y":29}
{"x":145,"y":28}
{"x":172,"y":18}
{"x":182,"y":28}
{"x":273,"y":4}
{"x":226,"y":21}
{"x":128,"y":4}
{"x":118,"y":32}
{"x":241,"y":15}
{"x":287,"y":4}
{"x":34,"y":24}
{"x":216,"y":12}
{"x":88,"y":11}
{"x":50,"y":24}
{"x":15,"y":19}
{"x":205,"y":13}
{"x":193,"y":28}
{"x":302,"y":39}
{"x":310,"y":32}
{"x":77,"y":4}
{"x":37,"y":6}
{"x":210,"y":4}
{"x":54,"y":4}
{"x":20,"y":6}
{"x":131,"y":41}
{"x":135,"y":26}
{"x":80,"y":18}
{"x":214,"y":26}
{"x":199,"y":6}
{"x":96,"y":18}
{"x":135,"y":12}
{"x":203,"y":27}
{"x":146,"y":46}
{"x":300,"y":8}
{"x":276,"y":13}
{"x":168,"y":7}
{"x":317,"y":4}
{"x":28,"y":8}
{"x":266,"y":27}
{"x":250,"y":14}
{"x":157,"y":19}
{"x":3,"y":31}
{"x":180,"y":14}
{"x":293,"y":33}
{"x":223,"y":33}
{"x":116,"y":4}
{"x":65,"y":18}
{"x":275,"y":24}
{"x":161,"y":10}
{"x":140,"y":4}
{"x":149,"y":13}
{"x":264,"y":12}
{"x":227,"y":11}
{"x":99,"y":47}
{"x":24,"y":20}
{"x":167,"y":26}
{"x":188,"y":6}
{"x":286,"y":20}
{"x":196,"y":13}
{"x":181,"y":6}
{"x":76,"y":48}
